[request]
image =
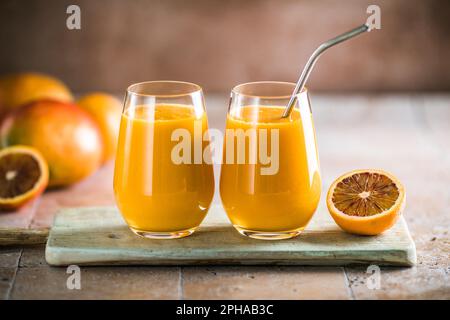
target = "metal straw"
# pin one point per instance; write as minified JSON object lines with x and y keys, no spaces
{"x":312,"y":60}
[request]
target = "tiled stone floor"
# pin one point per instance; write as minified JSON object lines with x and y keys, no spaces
{"x":408,"y":135}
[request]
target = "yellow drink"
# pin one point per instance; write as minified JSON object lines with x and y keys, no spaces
{"x":153,"y":193}
{"x":280,"y":203}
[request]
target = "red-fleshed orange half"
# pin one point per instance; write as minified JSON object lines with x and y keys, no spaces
{"x":366,"y":202}
{"x":23,"y":176}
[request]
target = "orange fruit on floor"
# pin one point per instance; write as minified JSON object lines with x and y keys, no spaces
{"x":65,"y":134}
{"x":366,"y":202}
{"x":106,"y":110}
{"x":22,"y":88}
{"x":23,"y":176}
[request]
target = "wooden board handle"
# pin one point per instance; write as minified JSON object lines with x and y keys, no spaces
{"x":22,"y":236}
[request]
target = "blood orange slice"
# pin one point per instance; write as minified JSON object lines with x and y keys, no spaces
{"x":23,"y":176}
{"x":366,"y":202}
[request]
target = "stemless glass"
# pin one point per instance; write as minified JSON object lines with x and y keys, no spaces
{"x":270,"y":182}
{"x":163,"y":178}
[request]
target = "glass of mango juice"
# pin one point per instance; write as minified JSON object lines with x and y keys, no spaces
{"x":270,"y":181}
{"x":161,"y":193}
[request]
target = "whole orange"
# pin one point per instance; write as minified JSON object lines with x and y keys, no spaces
{"x":65,"y":134}
{"x":106,"y":110}
{"x":22,"y":88}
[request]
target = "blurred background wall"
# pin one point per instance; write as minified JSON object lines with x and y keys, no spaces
{"x":218,"y":44}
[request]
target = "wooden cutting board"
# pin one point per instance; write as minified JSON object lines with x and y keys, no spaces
{"x":99,"y":236}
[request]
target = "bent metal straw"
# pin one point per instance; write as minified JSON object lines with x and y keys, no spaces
{"x":314,"y":57}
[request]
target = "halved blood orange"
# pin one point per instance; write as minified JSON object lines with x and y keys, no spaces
{"x":23,"y":176}
{"x":366,"y":202}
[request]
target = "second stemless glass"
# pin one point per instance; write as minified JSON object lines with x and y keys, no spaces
{"x":162,"y":189}
{"x":270,"y":182}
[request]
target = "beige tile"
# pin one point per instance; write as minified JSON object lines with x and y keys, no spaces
{"x":20,"y":218}
{"x":33,"y":256}
{"x":410,"y":283}
{"x":264,"y":283}
{"x":436,"y":112}
{"x":433,"y":249}
{"x":426,"y":212}
{"x":98,"y":283}
{"x":6,"y":280}
{"x":97,"y":190}
{"x":9,"y":257}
